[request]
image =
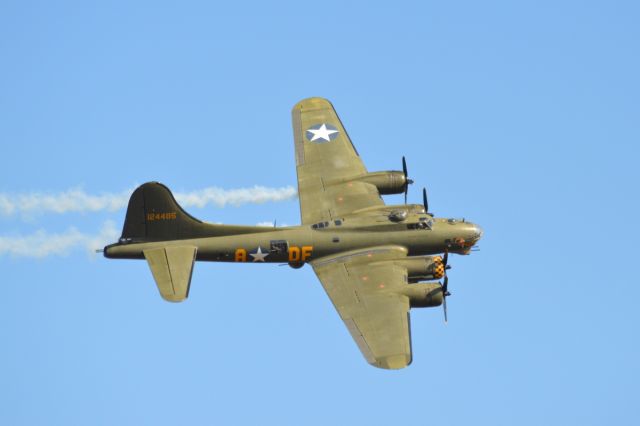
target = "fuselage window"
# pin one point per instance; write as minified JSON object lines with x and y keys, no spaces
{"x":338,"y":222}
{"x":320,"y":225}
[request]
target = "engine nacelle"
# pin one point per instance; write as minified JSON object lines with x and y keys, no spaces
{"x":423,"y":268}
{"x":390,"y":182}
{"x":424,"y":295}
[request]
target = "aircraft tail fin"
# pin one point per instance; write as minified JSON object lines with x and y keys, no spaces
{"x":154,"y":215}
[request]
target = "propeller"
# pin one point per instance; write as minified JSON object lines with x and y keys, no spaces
{"x":445,"y":284}
{"x":407,"y":181}
{"x":424,"y":200}
{"x":445,"y":293}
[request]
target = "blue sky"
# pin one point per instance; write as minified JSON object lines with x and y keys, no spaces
{"x":520,"y":116}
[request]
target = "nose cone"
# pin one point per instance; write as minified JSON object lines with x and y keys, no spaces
{"x":478,"y":232}
{"x":472,"y":233}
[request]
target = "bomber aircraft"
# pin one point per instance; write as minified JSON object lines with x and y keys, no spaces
{"x":371,"y":258}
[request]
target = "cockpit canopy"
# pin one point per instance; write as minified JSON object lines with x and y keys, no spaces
{"x":424,"y":222}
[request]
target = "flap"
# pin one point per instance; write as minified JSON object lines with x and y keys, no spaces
{"x":171,"y":268}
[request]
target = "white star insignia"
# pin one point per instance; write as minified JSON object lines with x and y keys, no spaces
{"x":259,"y":256}
{"x":322,"y":133}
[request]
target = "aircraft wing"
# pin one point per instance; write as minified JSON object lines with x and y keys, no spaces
{"x":367,"y":293}
{"x":325,"y":161}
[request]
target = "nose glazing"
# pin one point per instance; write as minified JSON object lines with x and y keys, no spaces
{"x":478,"y":232}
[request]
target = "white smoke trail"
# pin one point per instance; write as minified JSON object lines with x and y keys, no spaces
{"x":72,"y":200}
{"x":41,"y":243}
{"x":78,"y":201}
{"x":235,"y":197}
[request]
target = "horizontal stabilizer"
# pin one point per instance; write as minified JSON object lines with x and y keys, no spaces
{"x":172,"y":268}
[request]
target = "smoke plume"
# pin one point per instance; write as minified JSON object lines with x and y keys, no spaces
{"x":42,"y":243}
{"x":78,"y":201}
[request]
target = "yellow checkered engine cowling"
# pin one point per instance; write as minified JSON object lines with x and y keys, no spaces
{"x":423,"y":268}
{"x":438,"y":268}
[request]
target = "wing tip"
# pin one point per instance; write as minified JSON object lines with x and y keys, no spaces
{"x":312,"y":103}
{"x":392,"y":362}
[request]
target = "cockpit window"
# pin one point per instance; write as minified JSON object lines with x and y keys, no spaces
{"x":422,"y":224}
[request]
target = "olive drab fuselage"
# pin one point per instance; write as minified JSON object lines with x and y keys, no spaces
{"x":300,"y":244}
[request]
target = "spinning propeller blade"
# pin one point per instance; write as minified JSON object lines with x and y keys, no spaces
{"x":407,"y":181}
{"x":424,"y":200}
{"x":445,"y":284}
{"x":445,"y":293}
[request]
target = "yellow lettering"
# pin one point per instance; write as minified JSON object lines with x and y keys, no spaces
{"x":162,"y":216}
{"x":294,"y":254}
{"x":241,"y":255}
{"x":306,"y":252}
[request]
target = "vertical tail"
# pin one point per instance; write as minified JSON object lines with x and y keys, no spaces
{"x":154,"y":215}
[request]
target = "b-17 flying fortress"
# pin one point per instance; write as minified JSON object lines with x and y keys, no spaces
{"x":372,"y":259}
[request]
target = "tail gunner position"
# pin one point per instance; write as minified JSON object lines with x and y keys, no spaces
{"x":371,"y":258}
